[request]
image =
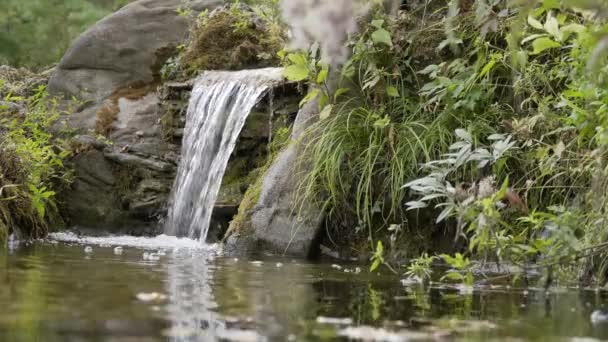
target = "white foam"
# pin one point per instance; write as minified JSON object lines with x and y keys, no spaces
{"x":161,"y":241}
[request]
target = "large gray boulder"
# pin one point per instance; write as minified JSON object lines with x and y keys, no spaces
{"x":125,"y":48}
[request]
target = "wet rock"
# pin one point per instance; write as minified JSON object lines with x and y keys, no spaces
{"x":272,"y":224}
{"x":135,"y":161}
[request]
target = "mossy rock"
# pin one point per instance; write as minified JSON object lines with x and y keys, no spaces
{"x":231,"y":39}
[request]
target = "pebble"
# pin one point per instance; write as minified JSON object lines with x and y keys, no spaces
{"x":88,"y":249}
{"x":336,"y":266}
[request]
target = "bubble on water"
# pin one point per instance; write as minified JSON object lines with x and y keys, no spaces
{"x":118,"y":250}
{"x":279,"y":265}
{"x":334,"y":320}
{"x":257,"y":263}
{"x":88,"y":249}
{"x":336,"y":266}
{"x":151,"y":297}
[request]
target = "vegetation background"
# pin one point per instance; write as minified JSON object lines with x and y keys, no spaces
{"x":35,"y":33}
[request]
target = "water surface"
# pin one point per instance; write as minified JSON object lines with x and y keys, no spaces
{"x":57,"y":291}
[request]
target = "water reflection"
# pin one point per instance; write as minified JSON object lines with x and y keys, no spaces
{"x":191,"y":302}
{"x":57,"y":292}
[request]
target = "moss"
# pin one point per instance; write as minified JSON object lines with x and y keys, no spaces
{"x":230,"y":41}
{"x":256,"y":179}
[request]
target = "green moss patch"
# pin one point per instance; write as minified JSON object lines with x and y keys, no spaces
{"x":231,"y":40}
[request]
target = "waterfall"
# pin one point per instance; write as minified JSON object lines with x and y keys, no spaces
{"x":219,"y":106}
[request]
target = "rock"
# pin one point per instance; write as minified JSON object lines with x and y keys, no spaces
{"x":135,"y":161}
{"x":273,"y":224}
{"x":127,"y":47}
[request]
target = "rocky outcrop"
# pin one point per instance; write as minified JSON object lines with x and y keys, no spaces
{"x":276,"y":222}
{"x":124,"y":183}
{"x":125,"y":48}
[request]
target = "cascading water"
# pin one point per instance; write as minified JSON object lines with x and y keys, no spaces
{"x":219,"y":106}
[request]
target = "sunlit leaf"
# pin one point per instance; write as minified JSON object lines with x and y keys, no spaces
{"x":382,"y":36}
{"x":541,"y":44}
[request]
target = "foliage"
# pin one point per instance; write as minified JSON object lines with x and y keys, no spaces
{"x":499,"y":135}
{"x":32,"y":166}
{"x":236,"y":37}
{"x":36,"y":34}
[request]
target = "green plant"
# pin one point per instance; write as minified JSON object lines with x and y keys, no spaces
{"x":421,"y":267}
{"x":32,"y":166}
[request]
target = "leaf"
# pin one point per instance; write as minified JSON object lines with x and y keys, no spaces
{"x":340,"y":92}
{"x":541,"y":44}
{"x":382,"y":36}
{"x":382,"y":123}
{"x":552,"y":27}
{"x":379,"y":249}
{"x":413,"y":205}
{"x":297,"y":58}
{"x":535,"y":23}
{"x":296,"y":73}
{"x":497,"y":136}
{"x":444,"y":214}
{"x":311,"y":95}
{"x":464,"y":135}
{"x":326,"y":112}
{"x":532,"y":37}
{"x":392,"y":91}
{"x":378,"y":23}
{"x":486,"y":69}
{"x":322,"y":75}
{"x":375,"y":265}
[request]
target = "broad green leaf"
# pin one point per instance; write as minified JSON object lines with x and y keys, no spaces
{"x":535,"y":23}
{"x":378,"y":23}
{"x":392,"y":91}
{"x":552,"y":27}
{"x":326,"y":112}
{"x":542,"y":44}
{"x":296,"y":73}
{"x":550,"y":4}
{"x":297,"y":58}
{"x":322,"y":75}
{"x":311,"y":95}
{"x":382,"y":36}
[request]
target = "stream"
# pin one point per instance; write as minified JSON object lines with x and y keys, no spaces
{"x":68,"y":288}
